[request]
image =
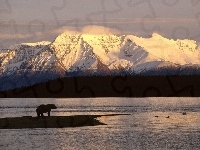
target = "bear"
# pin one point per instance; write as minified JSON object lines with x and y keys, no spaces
{"x":45,"y":109}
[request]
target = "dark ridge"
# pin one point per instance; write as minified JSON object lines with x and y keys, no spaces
{"x":111,"y":86}
{"x":25,"y":76}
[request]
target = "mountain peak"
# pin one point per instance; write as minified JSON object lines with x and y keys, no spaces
{"x":156,"y":35}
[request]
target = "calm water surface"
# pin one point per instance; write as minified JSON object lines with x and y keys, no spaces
{"x":140,"y":130}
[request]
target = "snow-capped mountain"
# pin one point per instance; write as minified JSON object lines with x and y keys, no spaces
{"x":102,"y":54}
{"x":13,"y":58}
{"x":81,"y":52}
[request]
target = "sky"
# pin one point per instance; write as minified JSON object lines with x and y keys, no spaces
{"x":43,"y":20}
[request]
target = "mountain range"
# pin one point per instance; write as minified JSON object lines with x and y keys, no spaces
{"x":78,"y":54}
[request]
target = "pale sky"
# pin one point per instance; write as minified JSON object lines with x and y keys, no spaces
{"x":39,"y":20}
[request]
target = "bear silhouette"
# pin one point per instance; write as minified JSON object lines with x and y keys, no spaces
{"x":45,"y":109}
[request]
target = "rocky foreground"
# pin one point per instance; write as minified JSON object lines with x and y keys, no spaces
{"x":51,"y":122}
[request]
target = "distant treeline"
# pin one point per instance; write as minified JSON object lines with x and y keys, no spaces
{"x":28,"y":77}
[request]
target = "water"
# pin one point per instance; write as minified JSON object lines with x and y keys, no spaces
{"x":140,"y":130}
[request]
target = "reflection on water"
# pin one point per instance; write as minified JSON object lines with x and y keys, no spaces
{"x":153,"y":123}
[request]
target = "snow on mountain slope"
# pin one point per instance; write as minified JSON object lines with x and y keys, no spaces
{"x":178,"y":52}
{"x":73,"y":52}
{"x":106,"y":47}
{"x":5,"y":57}
{"x":13,"y":57}
{"x":37,"y":44}
{"x":43,"y":61}
{"x":135,"y":54}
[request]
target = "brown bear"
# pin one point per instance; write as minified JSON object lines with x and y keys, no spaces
{"x":45,"y":109}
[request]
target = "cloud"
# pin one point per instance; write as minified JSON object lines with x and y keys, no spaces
{"x":85,"y":30}
{"x":98,"y":30}
{"x":57,"y":31}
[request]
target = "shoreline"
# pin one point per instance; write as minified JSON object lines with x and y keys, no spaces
{"x":52,"y":121}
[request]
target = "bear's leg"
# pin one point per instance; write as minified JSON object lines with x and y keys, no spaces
{"x":42,"y":115}
{"x":48,"y":113}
